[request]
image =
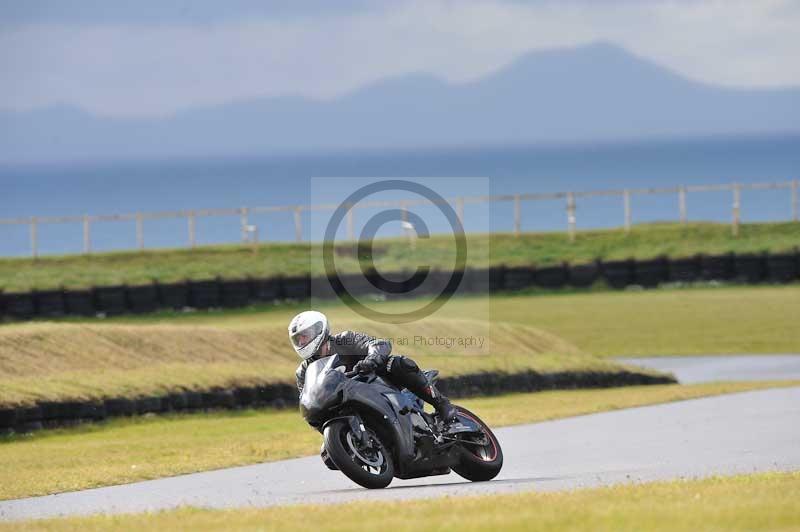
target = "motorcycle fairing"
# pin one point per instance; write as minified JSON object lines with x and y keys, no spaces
{"x":401,"y":412}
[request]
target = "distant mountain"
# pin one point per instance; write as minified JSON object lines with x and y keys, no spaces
{"x":596,"y":92}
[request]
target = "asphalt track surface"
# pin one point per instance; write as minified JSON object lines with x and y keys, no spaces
{"x":723,"y":367}
{"x":737,"y":433}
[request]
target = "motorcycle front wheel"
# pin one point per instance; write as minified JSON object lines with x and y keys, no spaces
{"x":369,"y":465}
{"x":481,"y":455}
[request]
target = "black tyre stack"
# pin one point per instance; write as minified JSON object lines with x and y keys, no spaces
{"x":204,"y":294}
{"x":686,"y":270}
{"x":173,"y":295}
{"x":110,"y":300}
{"x":552,"y":277}
{"x":618,"y":273}
{"x":650,"y":273}
{"x":584,"y":275}
{"x":50,"y":303}
{"x":142,"y":299}
{"x":751,"y":268}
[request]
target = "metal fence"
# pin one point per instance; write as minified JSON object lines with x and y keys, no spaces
{"x":248,"y":232}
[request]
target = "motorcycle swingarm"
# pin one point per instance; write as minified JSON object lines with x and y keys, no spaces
{"x":460,"y":426}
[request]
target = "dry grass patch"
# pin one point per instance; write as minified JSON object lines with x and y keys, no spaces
{"x":59,"y":361}
{"x":766,"y":501}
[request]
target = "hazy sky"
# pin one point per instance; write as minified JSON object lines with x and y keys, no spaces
{"x":155,"y":57}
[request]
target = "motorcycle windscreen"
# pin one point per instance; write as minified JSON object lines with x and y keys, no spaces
{"x":322,"y":379}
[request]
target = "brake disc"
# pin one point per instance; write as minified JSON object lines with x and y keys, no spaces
{"x":357,"y":451}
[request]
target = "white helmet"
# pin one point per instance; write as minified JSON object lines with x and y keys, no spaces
{"x":307,"y":331}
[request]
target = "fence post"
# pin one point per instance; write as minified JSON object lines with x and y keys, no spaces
{"x":517,"y":215}
{"x":795,"y":201}
{"x":682,"y":204}
{"x":571,"y":216}
{"x":736,"y":209}
{"x":243,"y":219}
{"x":192,"y":229}
{"x":298,"y":225}
{"x":87,"y":235}
{"x":627,"y":203}
{"x":139,"y":231}
{"x":34,"y":237}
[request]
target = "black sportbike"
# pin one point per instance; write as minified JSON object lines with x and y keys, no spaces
{"x":374,"y":431}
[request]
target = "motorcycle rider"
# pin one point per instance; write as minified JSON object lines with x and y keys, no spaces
{"x":310,"y":335}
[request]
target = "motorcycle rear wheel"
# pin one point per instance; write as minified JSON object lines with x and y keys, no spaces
{"x":479,"y":463}
{"x":372,"y":468}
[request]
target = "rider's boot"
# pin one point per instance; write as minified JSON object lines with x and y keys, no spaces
{"x":406,"y":372}
{"x":427,"y":392}
{"x":444,"y":408}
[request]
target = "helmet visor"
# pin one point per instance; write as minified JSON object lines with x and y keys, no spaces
{"x":305,"y":336}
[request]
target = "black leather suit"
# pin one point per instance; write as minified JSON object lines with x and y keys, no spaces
{"x":354,"y":347}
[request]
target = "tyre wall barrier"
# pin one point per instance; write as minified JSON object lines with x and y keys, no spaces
{"x":280,"y":395}
{"x":204,"y":294}
{"x":356,"y":284}
{"x":553,"y":277}
{"x":782,"y":268}
{"x":476,"y":281}
{"x":266,"y":289}
{"x":322,"y":288}
{"x":50,"y":303}
{"x":684,"y":270}
{"x":142,"y":299}
{"x":436,"y":282}
{"x":650,"y":273}
{"x":618,"y":273}
{"x":749,"y":268}
{"x":716,"y":267}
{"x":497,"y":278}
{"x":20,"y":306}
{"x":583,"y":275}
{"x":296,"y":287}
{"x":173,"y":295}
{"x":110,"y":300}
{"x":219,"y":293}
{"x":79,"y":303}
{"x":518,"y":278}
{"x":235,"y":293}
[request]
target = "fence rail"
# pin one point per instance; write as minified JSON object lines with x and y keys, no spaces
{"x":296,"y":211}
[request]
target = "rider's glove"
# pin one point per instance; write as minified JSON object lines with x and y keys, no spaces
{"x":365,"y":366}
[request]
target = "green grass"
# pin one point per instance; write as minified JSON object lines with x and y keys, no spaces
{"x":157,"y":354}
{"x":709,"y":320}
{"x":237,"y":261}
{"x":127,"y":450}
{"x":766,"y":501}
{"x":664,"y":322}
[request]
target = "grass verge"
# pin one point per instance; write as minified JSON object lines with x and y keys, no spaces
{"x":766,"y":501}
{"x":154,"y":355}
{"x":237,"y":261}
{"x":730,"y":319}
{"x":127,"y":450}
{"x":52,"y":362}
